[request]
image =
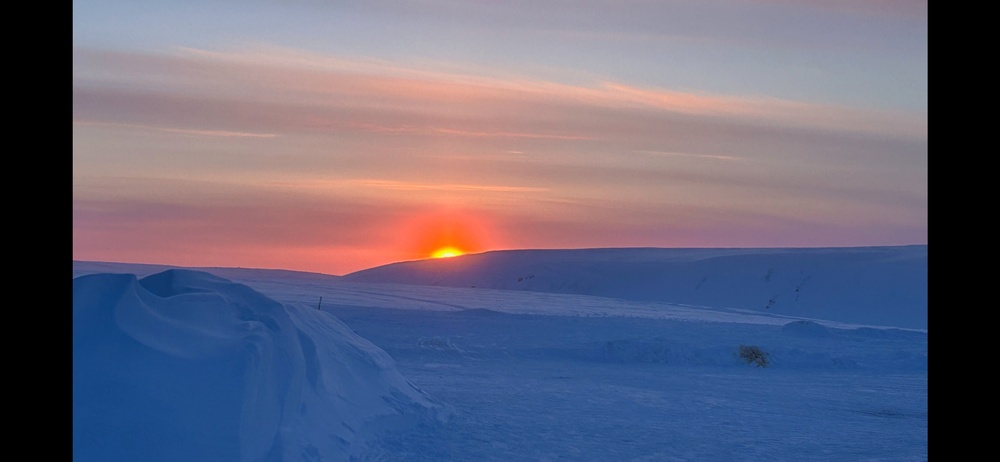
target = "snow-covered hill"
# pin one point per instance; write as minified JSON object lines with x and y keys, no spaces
{"x":864,"y":285}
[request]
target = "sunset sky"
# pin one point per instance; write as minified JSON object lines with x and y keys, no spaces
{"x":333,"y":136}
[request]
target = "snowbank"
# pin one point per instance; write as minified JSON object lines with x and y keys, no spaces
{"x":184,"y":365}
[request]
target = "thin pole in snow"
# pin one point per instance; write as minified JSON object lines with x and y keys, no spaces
{"x":320,"y":303}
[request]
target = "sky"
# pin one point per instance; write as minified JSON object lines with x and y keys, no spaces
{"x":244,"y":364}
{"x":333,"y":136}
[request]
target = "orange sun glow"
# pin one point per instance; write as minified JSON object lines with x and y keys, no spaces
{"x":446,"y":233}
{"x":446,"y":252}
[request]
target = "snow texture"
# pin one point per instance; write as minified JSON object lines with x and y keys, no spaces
{"x":184,"y":365}
{"x":234,"y":364}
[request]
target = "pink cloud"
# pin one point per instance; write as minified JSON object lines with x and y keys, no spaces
{"x":458,"y":104}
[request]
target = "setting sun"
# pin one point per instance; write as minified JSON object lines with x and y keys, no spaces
{"x":446,"y":252}
{"x":443,"y":233}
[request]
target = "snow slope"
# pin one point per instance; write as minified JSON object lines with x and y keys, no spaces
{"x":866,"y":285}
{"x":524,"y":375}
{"x":185,"y":365}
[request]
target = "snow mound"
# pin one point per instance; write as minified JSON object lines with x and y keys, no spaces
{"x":184,"y":365}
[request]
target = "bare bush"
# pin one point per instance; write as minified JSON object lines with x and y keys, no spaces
{"x":753,"y":355}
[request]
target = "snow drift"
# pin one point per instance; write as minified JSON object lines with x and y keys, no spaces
{"x":884,"y":286}
{"x":185,"y":365}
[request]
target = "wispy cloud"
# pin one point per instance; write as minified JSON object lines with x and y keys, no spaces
{"x":902,"y":9}
{"x":217,"y":133}
{"x":179,"y":131}
{"x":414,"y":186}
{"x":684,"y":154}
{"x":459,"y":104}
{"x":449,"y":131}
{"x":432,"y":131}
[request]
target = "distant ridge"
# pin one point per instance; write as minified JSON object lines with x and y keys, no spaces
{"x":884,"y":285}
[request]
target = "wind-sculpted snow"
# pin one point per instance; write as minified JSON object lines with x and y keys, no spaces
{"x":884,"y":286}
{"x":184,"y":365}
